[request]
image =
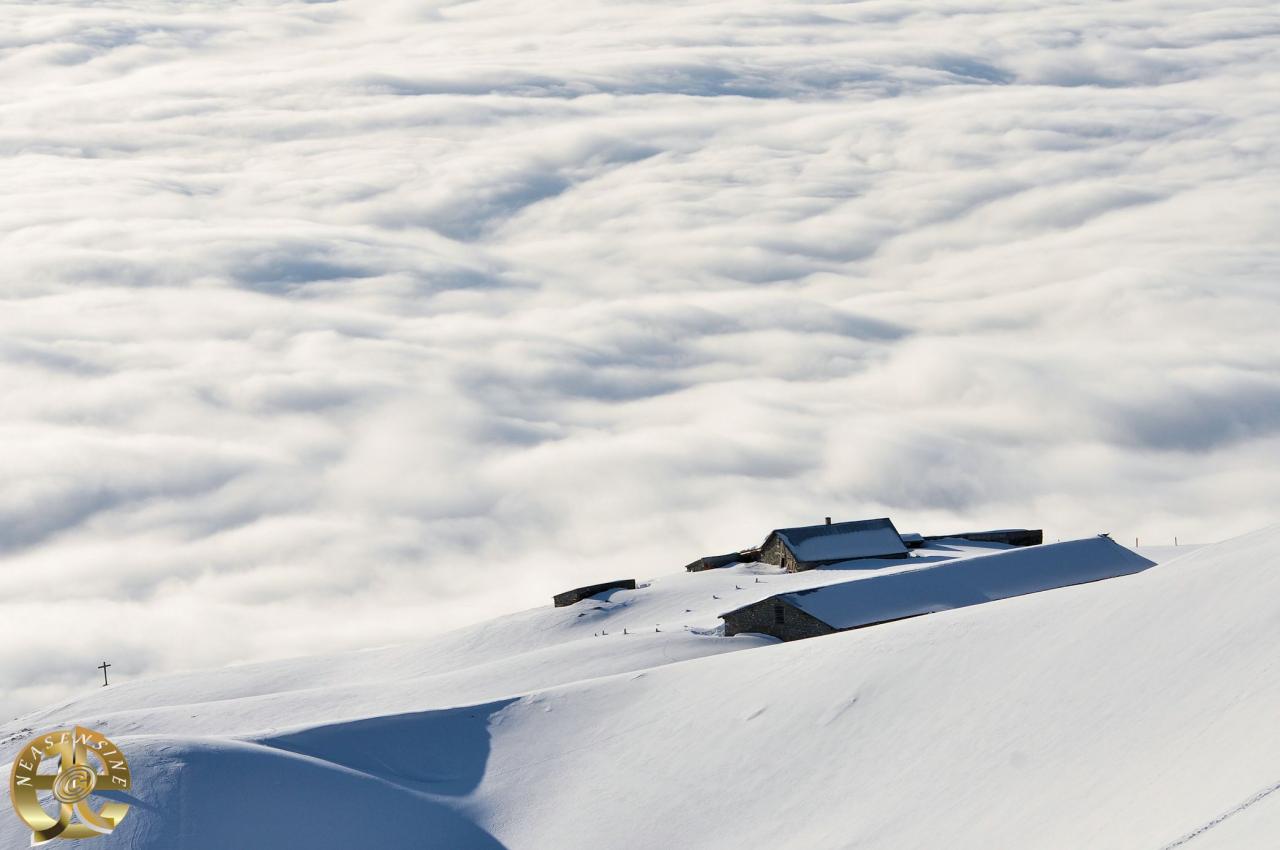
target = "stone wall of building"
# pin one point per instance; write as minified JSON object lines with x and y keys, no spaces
{"x":774,"y":551}
{"x":777,"y":617}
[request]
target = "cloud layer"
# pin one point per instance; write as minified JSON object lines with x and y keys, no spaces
{"x":336,"y":324}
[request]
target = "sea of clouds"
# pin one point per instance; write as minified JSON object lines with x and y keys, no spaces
{"x":330,"y":325}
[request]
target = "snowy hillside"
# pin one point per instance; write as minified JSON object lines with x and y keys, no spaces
{"x":666,"y":619}
{"x":1129,"y":713}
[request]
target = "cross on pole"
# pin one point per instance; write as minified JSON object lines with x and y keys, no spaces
{"x":103,"y":667}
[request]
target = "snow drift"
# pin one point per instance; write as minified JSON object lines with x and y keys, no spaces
{"x":973,"y":581}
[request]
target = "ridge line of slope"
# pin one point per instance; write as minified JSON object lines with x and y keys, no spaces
{"x":1249,"y":802}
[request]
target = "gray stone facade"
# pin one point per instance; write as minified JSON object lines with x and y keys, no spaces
{"x":775,"y":551}
{"x":777,"y":617}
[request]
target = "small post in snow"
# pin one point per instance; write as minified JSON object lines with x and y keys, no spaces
{"x":103,"y":667}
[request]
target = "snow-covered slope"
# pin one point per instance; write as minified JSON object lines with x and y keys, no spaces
{"x":1130,"y":713}
{"x":666,"y":619}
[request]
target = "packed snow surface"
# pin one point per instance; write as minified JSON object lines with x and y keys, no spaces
{"x":1138,"y":712}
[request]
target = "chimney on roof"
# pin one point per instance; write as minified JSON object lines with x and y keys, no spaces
{"x":828,"y":520}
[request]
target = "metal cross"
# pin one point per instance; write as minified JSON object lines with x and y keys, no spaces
{"x":103,"y":667}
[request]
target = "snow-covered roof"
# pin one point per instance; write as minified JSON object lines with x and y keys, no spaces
{"x":867,"y":538}
{"x":967,"y":581}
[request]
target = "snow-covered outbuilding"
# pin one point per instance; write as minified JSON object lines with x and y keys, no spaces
{"x":950,"y":584}
{"x":1010,"y":536}
{"x":569,"y":597}
{"x":712,"y":562}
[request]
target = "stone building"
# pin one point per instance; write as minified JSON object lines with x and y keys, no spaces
{"x":941,"y":586}
{"x":810,"y":546}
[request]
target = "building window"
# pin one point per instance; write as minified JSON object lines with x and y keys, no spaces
{"x":778,"y":615}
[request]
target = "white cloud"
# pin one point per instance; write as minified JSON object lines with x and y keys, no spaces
{"x":332,"y":324}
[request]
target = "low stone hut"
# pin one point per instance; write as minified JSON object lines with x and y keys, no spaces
{"x":941,"y":586}
{"x":578,"y":594}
